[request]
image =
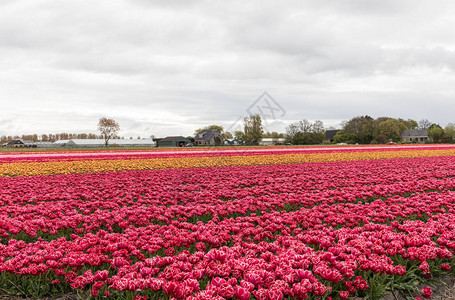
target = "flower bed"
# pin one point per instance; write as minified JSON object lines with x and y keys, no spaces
{"x":333,"y":229}
{"x":68,"y":163}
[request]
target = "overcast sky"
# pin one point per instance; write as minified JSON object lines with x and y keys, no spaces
{"x":169,"y":67}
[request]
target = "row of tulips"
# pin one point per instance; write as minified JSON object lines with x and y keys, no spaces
{"x":92,"y":201}
{"x":319,"y":230}
{"x":30,"y":165}
{"x":131,"y":154}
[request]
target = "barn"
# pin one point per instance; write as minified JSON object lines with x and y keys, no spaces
{"x":173,"y":141}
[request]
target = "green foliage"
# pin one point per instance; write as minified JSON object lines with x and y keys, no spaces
{"x":392,"y":129}
{"x":239,"y":135}
{"x":411,"y":124}
{"x":348,"y":138}
{"x":380,"y":139}
{"x":366,"y":130}
{"x":218,"y":141}
{"x":436,"y":133}
{"x":305,"y":133}
{"x":449,"y":133}
{"x":360,"y":127}
{"x":252,"y":132}
{"x":273,"y":135}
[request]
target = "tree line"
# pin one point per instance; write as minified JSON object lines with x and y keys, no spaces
{"x":51,"y":137}
{"x":299,"y":133}
{"x":108,"y":129}
{"x":367,"y":130}
{"x":358,"y":130}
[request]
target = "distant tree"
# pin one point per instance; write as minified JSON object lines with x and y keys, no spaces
{"x":64,"y":136}
{"x":305,"y":133}
{"x":436,"y":133}
{"x":348,"y":138}
{"x":275,"y":137}
{"x":449,"y":133}
{"x":424,"y":124}
{"x":291,"y":133}
{"x":410,"y":124}
{"x":380,"y":139}
{"x":227,"y":135}
{"x":362,"y":129}
{"x":272,"y":134}
{"x":239,"y":135}
{"x":318,"y":132}
{"x":252,"y":129}
{"x":108,"y":128}
{"x":392,"y":129}
{"x":305,"y":126}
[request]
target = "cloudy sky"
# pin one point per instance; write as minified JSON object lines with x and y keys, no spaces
{"x":169,"y":67}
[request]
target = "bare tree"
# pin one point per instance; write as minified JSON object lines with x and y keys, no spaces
{"x":424,"y":124}
{"x":108,"y":128}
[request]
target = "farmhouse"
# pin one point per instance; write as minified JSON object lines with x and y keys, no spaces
{"x":208,"y":138}
{"x":414,"y":135}
{"x":18,"y":143}
{"x":173,"y":141}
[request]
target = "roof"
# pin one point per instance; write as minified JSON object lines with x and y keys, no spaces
{"x":19,"y":142}
{"x":207,"y":134}
{"x":15,"y":142}
{"x":330,"y":133}
{"x":171,"y":138}
{"x":61,"y":142}
{"x":415,"y":132}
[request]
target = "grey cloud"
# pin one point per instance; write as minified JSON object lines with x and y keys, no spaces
{"x":167,"y":67}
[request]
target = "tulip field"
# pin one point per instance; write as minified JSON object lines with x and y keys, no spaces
{"x":231,"y":223}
